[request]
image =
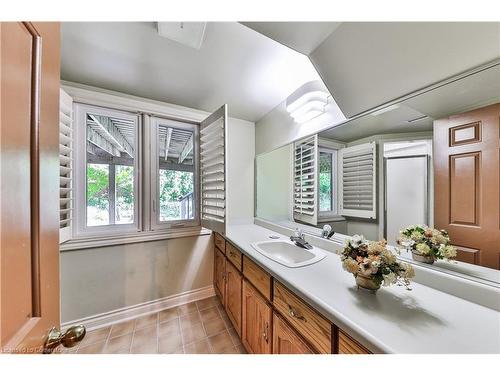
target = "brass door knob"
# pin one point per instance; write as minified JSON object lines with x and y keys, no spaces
{"x":68,"y":339}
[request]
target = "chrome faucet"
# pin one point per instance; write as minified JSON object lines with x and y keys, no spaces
{"x":299,"y":239}
{"x":327,"y":232}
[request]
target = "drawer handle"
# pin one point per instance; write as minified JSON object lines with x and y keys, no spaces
{"x":294,"y":314}
{"x":265,"y":334}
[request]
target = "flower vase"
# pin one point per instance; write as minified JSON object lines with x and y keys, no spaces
{"x":367,"y":283}
{"x":422,"y":258}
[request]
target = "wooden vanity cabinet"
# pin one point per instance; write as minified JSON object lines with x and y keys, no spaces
{"x":220,"y":275}
{"x":233,"y":295}
{"x":286,"y":340}
{"x":269,"y":317}
{"x":309,"y":323}
{"x":347,"y":345}
{"x":256,"y":327}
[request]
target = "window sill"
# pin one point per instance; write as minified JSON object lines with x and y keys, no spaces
{"x":329,"y":218}
{"x":93,"y":242}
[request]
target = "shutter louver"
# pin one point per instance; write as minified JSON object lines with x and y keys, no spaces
{"x":357,"y":172}
{"x":213,"y":171}
{"x":305,"y":208}
{"x":65,"y":166}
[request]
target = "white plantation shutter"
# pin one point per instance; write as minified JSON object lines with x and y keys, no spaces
{"x":357,"y":181}
{"x":305,"y":180}
{"x":65,"y":166}
{"x":213,"y":170}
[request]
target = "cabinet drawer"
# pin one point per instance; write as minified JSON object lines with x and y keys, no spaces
{"x":311,"y":325}
{"x":220,"y":242}
{"x":233,"y":255}
{"x":259,"y":278}
{"x":347,"y":345}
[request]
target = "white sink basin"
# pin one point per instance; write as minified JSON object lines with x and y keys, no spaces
{"x":288,"y":254}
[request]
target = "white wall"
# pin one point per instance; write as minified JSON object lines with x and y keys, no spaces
{"x":103,"y":279}
{"x":240,"y":172}
{"x":274,"y":184}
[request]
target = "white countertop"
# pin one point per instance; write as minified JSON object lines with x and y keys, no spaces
{"x":394,"y":320}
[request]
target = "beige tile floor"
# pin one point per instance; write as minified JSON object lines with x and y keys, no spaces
{"x":200,"y":327}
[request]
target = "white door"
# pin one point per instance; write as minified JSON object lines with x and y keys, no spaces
{"x":406,"y":194}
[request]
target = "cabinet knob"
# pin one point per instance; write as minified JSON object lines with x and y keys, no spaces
{"x":294,"y":314}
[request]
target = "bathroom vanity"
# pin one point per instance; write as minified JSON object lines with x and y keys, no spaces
{"x":317,"y":308}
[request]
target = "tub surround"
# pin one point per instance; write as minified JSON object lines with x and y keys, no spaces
{"x":394,"y":320}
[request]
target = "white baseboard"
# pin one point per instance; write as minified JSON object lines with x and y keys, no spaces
{"x":131,"y":312}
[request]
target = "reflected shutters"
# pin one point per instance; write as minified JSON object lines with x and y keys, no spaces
{"x":65,"y":165}
{"x":213,"y":170}
{"x":357,"y":173}
{"x":305,"y":180}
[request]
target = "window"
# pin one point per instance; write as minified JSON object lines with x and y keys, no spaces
{"x":136,"y":175}
{"x":107,"y":170}
{"x":327,"y":182}
{"x":173,"y":179}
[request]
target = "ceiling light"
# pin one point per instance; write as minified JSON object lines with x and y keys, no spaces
{"x":385,"y":109}
{"x":187,"y":33}
{"x":308,"y":101}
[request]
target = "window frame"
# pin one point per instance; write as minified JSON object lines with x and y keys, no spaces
{"x":155,"y":224}
{"x":81,"y":229}
{"x":334,"y":195}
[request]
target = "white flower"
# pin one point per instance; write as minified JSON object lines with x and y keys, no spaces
{"x":447,"y":251}
{"x":389,"y":279}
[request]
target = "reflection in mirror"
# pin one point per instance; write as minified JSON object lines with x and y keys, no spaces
{"x":376,"y":174}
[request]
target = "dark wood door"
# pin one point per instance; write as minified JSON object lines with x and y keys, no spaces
{"x":256,"y":329}
{"x":233,"y":295}
{"x":286,"y":340}
{"x":29,"y":194}
{"x":466,"y":168}
{"x":220,"y":275}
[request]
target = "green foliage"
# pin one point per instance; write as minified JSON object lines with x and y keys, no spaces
{"x":174,"y":185}
{"x":325,"y":182}
{"x":124,"y":177}
{"x":98,"y":185}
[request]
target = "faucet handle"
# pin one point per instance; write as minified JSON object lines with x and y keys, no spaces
{"x":326,"y":230}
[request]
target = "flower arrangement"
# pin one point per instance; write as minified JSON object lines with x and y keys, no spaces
{"x":373,"y":264}
{"x":427,"y":244}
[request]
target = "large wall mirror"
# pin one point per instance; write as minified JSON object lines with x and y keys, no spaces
{"x":375,"y":174}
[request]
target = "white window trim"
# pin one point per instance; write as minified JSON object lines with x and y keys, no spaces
{"x":333,"y":155}
{"x":156,"y":224}
{"x":118,"y":101}
{"x":327,"y":145}
{"x":80,"y":229}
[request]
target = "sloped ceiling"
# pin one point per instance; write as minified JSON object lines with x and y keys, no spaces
{"x":303,"y":37}
{"x":235,"y":65}
{"x":472,"y":91}
{"x":368,"y":64}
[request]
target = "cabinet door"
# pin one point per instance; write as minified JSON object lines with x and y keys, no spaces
{"x":220,"y":275}
{"x":256,"y":321}
{"x":286,"y":340}
{"x":233,"y":296}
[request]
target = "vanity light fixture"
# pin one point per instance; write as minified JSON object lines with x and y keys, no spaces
{"x":307,"y":102}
